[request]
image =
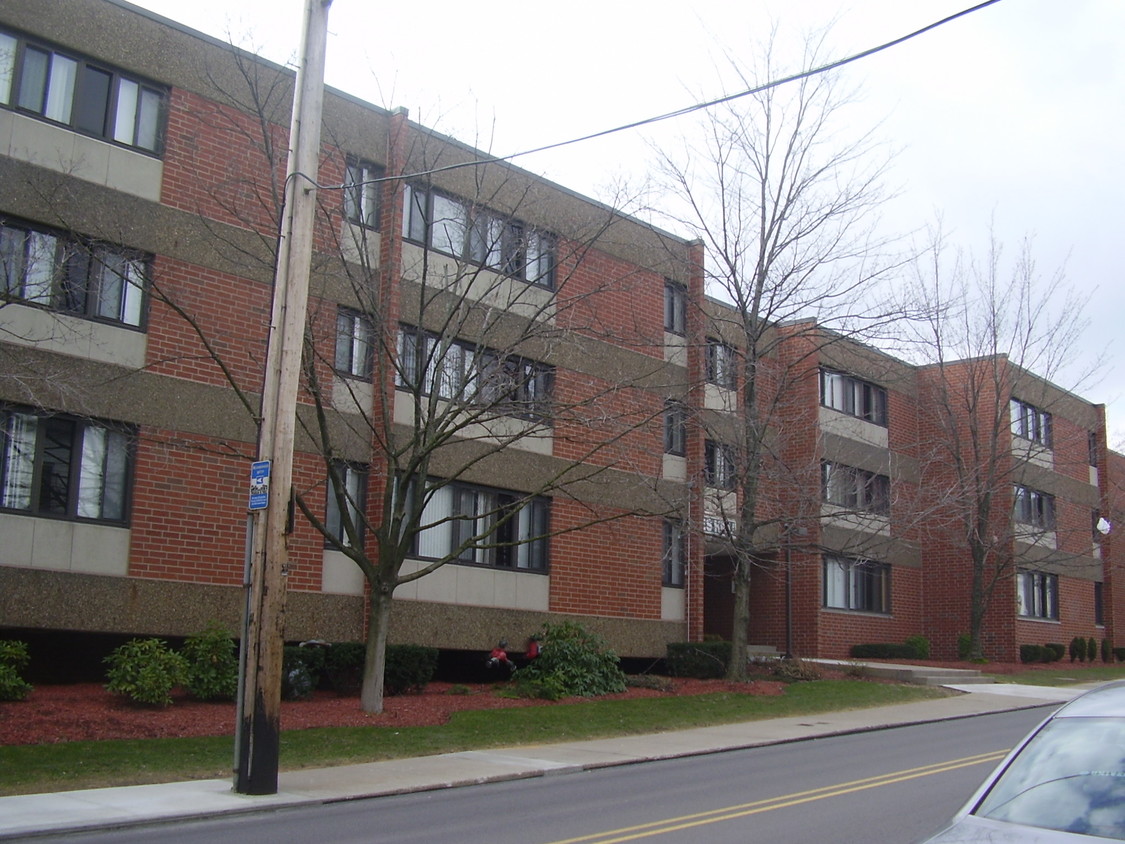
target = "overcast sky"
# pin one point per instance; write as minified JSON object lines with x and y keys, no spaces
{"x":1013,"y":114}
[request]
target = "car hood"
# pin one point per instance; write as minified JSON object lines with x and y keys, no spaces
{"x":975,"y":830}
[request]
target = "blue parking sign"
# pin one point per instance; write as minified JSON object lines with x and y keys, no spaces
{"x":259,"y":485}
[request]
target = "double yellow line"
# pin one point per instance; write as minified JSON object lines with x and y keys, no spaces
{"x":727,"y":813}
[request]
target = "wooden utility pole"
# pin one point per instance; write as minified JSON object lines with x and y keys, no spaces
{"x":258,"y":730}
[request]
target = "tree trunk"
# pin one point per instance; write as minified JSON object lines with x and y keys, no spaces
{"x":375,"y":661}
{"x":739,"y":638}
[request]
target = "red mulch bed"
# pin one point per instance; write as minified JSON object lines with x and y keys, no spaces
{"x":86,"y":711}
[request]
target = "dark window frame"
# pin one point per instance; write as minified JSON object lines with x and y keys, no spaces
{"x":855,"y":489}
{"x":356,"y":501}
{"x":485,"y":238}
{"x":675,"y":427}
{"x":1034,"y":508}
{"x":675,"y":307}
{"x":358,"y":330}
{"x":91,"y":98}
{"x":674,"y":556}
{"x":721,"y":364}
{"x":1037,"y":595}
{"x":866,"y":585}
{"x":61,"y":453}
{"x":853,"y":396}
{"x":363,"y":192}
{"x":64,"y":273}
{"x":1031,"y":423}
{"x":718,"y":465}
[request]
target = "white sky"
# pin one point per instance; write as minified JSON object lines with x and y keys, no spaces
{"x":1014,"y":113}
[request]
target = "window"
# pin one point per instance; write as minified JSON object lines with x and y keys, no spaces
{"x":472,"y":233}
{"x":1099,"y":603}
{"x":362,"y":193}
{"x":1092,"y":448}
{"x":483,"y":526}
{"x":718,"y":465}
{"x":675,"y":427}
{"x":461,"y":372}
{"x":63,"y":466}
{"x":854,"y":397}
{"x":721,"y":364}
{"x":352,"y":481}
{"x":1034,"y":508}
{"x":859,"y":585}
{"x":88,"y":97}
{"x":674,"y":553}
{"x":675,"y":307}
{"x":855,"y":489}
{"x":355,"y":341}
{"x":1037,"y":594}
{"x":62,"y":273}
{"x":1031,"y":423}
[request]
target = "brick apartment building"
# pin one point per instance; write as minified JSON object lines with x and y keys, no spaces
{"x":138,"y":220}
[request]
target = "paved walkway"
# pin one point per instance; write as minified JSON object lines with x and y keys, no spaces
{"x":102,"y":808}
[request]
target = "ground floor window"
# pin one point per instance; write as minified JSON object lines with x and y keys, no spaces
{"x":1037,"y":594}
{"x":860,"y":585}
{"x":484,"y":526}
{"x":56,"y":465}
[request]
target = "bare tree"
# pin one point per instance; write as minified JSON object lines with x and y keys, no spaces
{"x":784,"y":200}
{"x":998,"y":333}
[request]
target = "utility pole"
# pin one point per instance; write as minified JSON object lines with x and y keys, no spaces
{"x":258,"y":729}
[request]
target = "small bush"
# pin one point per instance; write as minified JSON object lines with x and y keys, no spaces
{"x":921,"y":646}
{"x":1120,"y":654}
{"x":574,"y":661}
{"x":145,"y":671}
{"x":794,"y":671}
{"x":409,"y":668}
{"x":701,"y":660}
{"x":883,"y":650}
{"x":1057,"y":649}
{"x":14,"y":657}
{"x":1091,"y":649}
{"x":1078,"y":649}
{"x":212,"y":665}
{"x":1031,"y":653}
{"x":1107,"y":650}
{"x":343,"y":666}
{"x":964,"y":646}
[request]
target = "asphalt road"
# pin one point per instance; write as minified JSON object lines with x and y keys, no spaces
{"x":885,"y":786}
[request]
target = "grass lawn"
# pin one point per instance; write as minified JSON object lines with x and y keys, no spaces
{"x":26,"y":769}
{"x":1065,"y":675}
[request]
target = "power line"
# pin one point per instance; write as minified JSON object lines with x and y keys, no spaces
{"x":785,"y":80}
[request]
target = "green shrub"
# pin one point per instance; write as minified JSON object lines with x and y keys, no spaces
{"x":212,"y":665}
{"x":1057,"y":649}
{"x":920,"y":645}
{"x":964,"y":645}
{"x":1031,"y":653}
{"x":1078,"y":649}
{"x":1120,"y":654}
{"x":1107,"y":650}
{"x":14,"y":657}
{"x":883,"y":650}
{"x":702,"y":660}
{"x":409,"y":668}
{"x":145,"y":671}
{"x":343,"y":666}
{"x":574,"y":661}
{"x":1091,"y":649}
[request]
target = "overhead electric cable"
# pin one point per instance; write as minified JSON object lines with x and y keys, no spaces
{"x":805,"y":74}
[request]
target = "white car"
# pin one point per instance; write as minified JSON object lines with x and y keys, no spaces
{"x":1065,"y":782}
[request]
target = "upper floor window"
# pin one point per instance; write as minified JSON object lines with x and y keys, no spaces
{"x":64,"y":273}
{"x":351,"y":482}
{"x":463,"y":372}
{"x":1031,"y":423}
{"x":472,"y":233}
{"x":54,"y":465}
{"x":859,"y":585}
{"x":355,"y":342}
{"x":675,"y":427}
{"x":485,"y":526}
{"x":362,"y":193}
{"x":675,"y":307}
{"x":1037,"y":594}
{"x":718,"y":465}
{"x":852,"y":396}
{"x":721,"y":364}
{"x":1099,"y":602}
{"x":674,"y":553}
{"x":85,"y":95}
{"x":1034,"y":508}
{"x":1092,"y":448}
{"x":855,"y":489}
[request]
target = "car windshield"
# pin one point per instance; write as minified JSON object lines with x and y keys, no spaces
{"x":1070,"y":776}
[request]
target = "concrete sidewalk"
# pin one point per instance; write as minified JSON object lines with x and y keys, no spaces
{"x":102,"y":808}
